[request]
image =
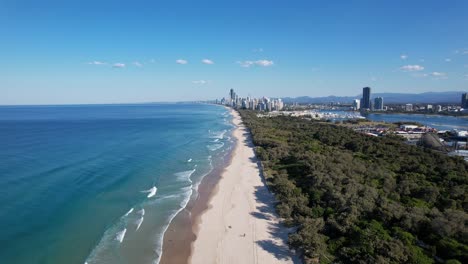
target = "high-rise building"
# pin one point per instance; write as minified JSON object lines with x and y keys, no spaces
{"x":409,"y":107}
{"x":356,"y":104}
{"x":232,"y":95}
{"x":366,"y":102}
{"x":378,"y":104}
{"x":464,"y":101}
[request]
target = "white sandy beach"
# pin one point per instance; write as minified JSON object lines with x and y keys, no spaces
{"x":240,"y":225}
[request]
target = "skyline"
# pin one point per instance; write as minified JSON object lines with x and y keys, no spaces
{"x":108,"y":52}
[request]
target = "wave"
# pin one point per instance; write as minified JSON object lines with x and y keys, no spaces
{"x":171,"y":218}
{"x":129,"y":212}
{"x":138,"y":223}
{"x":120,"y":235}
{"x":218,"y":134}
{"x":174,"y":188}
{"x":214,"y":147}
{"x":185,"y":175}
{"x":151,"y":192}
{"x":187,"y":190}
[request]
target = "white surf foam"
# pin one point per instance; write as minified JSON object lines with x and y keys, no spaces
{"x":129,"y":212}
{"x":120,"y":235}
{"x":189,"y":160}
{"x":184,"y":202}
{"x":141,"y":212}
{"x":139,"y":222}
{"x":171,"y":217}
{"x":219,"y":134}
{"x":184,"y":175}
{"x":214,"y":147}
{"x":151,"y":192}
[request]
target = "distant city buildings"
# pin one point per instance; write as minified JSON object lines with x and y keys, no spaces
{"x":356,"y":104}
{"x":259,"y":104}
{"x":464,"y":101}
{"x":409,"y":107}
{"x":365,"y":104}
{"x":378,"y":104}
{"x":366,"y":98}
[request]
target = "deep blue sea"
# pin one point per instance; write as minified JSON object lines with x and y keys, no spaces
{"x":71,"y":178}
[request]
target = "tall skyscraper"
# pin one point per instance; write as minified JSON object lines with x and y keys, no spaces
{"x":356,"y":104}
{"x":464,"y":101}
{"x":378,"y":104}
{"x":366,"y":102}
{"x":232,"y":94}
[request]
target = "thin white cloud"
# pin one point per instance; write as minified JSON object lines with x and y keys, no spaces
{"x":181,"y":61}
{"x":138,"y":64}
{"x":118,"y":65}
{"x":403,"y":56}
{"x":262,"y":63}
{"x":448,"y":60}
{"x":245,"y":64}
{"x":374,"y":79}
{"x":201,"y":82}
{"x":466,"y":76}
{"x":438,"y":75}
{"x":97,"y":63}
{"x":411,"y":68}
{"x":461,"y":51}
{"x":433,"y":75}
{"x":152,"y":61}
{"x":258,"y":50}
{"x":207,"y":61}
{"x":420,"y":75}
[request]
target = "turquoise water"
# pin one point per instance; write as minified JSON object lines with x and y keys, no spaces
{"x":439,"y":122}
{"x":70,"y":174}
{"x":435,"y":121}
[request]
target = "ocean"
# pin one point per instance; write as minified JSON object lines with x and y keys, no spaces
{"x":101,"y":183}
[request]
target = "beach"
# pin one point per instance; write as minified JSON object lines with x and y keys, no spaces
{"x":240,"y":224}
{"x":92,"y":165}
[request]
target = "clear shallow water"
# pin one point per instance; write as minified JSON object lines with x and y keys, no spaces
{"x":435,"y":121}
{"x":69,"y":175}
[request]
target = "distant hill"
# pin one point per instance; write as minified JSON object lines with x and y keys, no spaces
{"x":389,"y":98}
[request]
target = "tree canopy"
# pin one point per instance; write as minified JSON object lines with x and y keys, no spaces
{"x":362,"y":199}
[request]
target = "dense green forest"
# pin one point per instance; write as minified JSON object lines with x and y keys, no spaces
{"x":361,"y":199}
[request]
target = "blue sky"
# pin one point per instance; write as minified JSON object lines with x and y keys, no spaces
{"x":60,"y":52}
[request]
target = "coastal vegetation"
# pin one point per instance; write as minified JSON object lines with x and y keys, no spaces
{"x":361,"y":199}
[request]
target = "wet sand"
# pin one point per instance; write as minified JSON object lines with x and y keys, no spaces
{"x":233,"y":220}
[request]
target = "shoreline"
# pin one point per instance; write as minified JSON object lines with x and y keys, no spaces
{"x":233,"y":220}
{"x":181,"y":232}
{"x":240,"y":224}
